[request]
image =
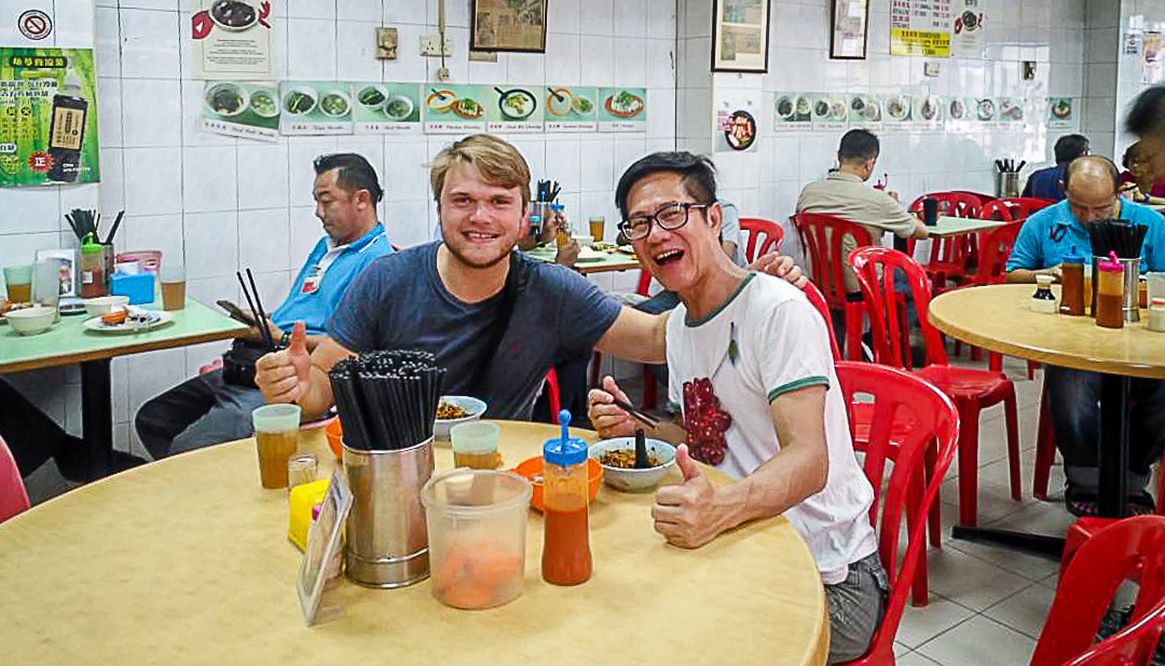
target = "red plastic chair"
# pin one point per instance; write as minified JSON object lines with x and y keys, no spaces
{"x":950,"y":258}
{"x":650,"y":393}
{"x":1134,"y":549}
{"x":1012,"y":210}
{"x":763,"y":236}
{"x":553,"y":398}
{"x":906,"y":496}
{"x":971,"y":389}
{"x":13,"y":498}
{"x":821,"y":236}
{"x":818,"y":300}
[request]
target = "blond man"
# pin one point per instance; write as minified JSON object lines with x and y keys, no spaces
{"x":496,"y":320}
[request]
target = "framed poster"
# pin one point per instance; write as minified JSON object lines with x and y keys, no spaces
{"x":740,"y":35}
{"x":508,"y":25}
{"x":847,"y":38}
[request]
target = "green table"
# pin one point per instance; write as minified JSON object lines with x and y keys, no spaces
{"x":611,"y":261}
{"x":957,"y":226}
{"x":70,"y":342}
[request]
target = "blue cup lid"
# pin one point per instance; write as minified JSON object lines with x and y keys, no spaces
{"x":564,"y":451}
{"x":1073,"y":259}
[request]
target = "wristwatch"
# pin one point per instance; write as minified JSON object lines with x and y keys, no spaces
{"x":285,"y":341}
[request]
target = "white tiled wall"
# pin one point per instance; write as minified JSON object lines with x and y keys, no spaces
{"x":1136,"y":17}
{"x":227,"y":203}
{"x":767,"y":181}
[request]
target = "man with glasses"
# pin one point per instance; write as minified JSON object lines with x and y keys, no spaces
{"x":1092,"y":184}
{"x":760,"y":347}
{"x":496,"y":320}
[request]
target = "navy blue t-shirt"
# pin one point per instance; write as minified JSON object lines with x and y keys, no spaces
{"x":399,"y":302}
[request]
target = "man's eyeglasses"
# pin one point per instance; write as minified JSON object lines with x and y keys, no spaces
{"x":670,"y":217}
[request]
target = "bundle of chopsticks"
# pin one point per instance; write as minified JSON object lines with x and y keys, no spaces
{"x":86,"y":222}
{"x":257,"y":310}
{"x":548,"y":190}
{"x":1117,"y":236}
{"x":387,"y":400}
{"x":1008,"y":165}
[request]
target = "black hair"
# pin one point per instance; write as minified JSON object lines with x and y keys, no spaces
{"x":1147,"y":114}
{"x":1076,"y":164}
{"x":858,"y":145}
{"x":697,"y":171}
{"x":1070,"y":146}
{"x":1131,"y":154}
{"x":355,"y":174}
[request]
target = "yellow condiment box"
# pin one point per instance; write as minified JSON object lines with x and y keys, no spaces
{"x":303,"y":498}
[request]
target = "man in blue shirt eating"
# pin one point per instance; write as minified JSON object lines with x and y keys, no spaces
{"x":207,"y":409}
{"x":1091,"y":184}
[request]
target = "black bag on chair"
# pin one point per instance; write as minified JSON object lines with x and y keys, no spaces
{"x":238,"y":362}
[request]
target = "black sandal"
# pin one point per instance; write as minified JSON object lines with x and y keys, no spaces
{"x":1081,"y":502}
{"x":1142,"y":504}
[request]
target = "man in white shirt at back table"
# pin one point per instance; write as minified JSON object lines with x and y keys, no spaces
{"x":780,"y":432}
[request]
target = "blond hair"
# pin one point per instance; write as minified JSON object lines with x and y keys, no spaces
{"x":499,"y":163}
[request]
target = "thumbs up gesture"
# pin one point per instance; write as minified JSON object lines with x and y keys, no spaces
{"x":282,"y":376}
{"x":687,"y":515}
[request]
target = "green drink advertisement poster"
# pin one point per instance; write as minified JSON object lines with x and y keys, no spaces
{"x":48,"y":117}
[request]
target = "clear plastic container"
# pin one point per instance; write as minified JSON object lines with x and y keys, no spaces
{"x":477,"y":536}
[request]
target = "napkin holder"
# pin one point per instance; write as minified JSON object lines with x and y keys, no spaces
{"x":139,"y":288}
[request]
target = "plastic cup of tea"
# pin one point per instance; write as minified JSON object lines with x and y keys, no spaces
{"x":475,"y":444}
{"x":18,"y":282}
{"x":276,"y":438}
{"x":173,"y":278}
{"x":597,"y":223}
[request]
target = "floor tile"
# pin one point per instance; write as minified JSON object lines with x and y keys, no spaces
{"x":919,"y":625}
{"x":1029,"y":565}
{"x":969,"y":581}
{"x":900,"y":650}
{"x":1047,"y":518}
{"x":978,"y":641}
{"x":915,"y":659}
{"x":1025,"y":611}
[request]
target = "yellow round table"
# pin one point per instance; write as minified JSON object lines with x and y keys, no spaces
{"x":187,"y":561}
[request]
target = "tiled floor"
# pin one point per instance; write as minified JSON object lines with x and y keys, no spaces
{"x":987,"y":603}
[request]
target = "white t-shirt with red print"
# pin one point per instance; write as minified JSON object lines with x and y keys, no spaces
{"x":764,"y":341}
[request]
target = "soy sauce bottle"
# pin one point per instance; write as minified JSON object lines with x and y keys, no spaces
{"x":67,"y":131}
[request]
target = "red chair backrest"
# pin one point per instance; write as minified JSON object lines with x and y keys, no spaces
{"x":996,"y":248}
{"x":951,"y":204}
{"x":763,"y":236}
{"x":1012,"y":210}
{"x":818,"y":300}
{"x":644,"y":282}
{"x":1133,"y":548}
{"x":875,"y":268}
{"x":821,"y":236}
{"x":937,"y":425}
{"x":13,"y":498}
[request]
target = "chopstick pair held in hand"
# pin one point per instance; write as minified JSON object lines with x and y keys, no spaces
{"x":259,"y":315}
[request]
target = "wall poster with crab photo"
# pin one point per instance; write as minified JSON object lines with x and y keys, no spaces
{"x":623,"y":110}
{"x":233,"y":39}
{"x":454,"y":109}
{"x":247,"y":109}
{"x":315,"y":107}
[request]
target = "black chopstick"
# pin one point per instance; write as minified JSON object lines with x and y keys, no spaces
{"x":255,"y":313}
{"x":263,"y":322}
{"x":641,"y":415}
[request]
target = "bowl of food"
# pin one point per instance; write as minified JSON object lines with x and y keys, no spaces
{"x":516,"y":103}
{"x":441,"y":100}
{"x":31,"y":321}
{"x":624,"y":104}
{"x":821,"y":108}
{"x":617,"y":457}
{"x":335,"y":104}
{"x":531,"y":468}
{"x":372,"y":97}
{"x":468,"y":109}
{"x":803,"y":107}
{"x":95,"y":307}
{"x":398,"y":107}
{"x":785,"y":107}
{"x":263,"y":103}
{"x":897,"y":108}
{"x":559,"y":102}
{"x":299,"y":100}
{"x":986,"y":109}
{"x":455,"y":409}
{"x":233,"y":15}
{"x":582,"y":105}
{"x":957,"y":110}
{"x":226,"y":99}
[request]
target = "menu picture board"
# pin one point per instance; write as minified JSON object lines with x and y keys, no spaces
{"x":1062,"y":113}
{"x":865,"y":111}
{"x":454,"y":109}
{"x":514,"y":109}
{"x":234,"y":39}
{"x":920,"y":27}
{"x":48,"y":117}
{"x":1009,"y":111}
{"x":897,"y":113}
{"x":572,"y":109}
{"x":792,"y":111}
{"x":236,"y":108}
{"x":315,"y":107}
{"x":623,"y":109}
{"x":386,"y":108}
{"x":928,"y":111}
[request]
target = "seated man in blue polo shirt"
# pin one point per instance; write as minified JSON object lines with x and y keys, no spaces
{"x":1049,"y":183}
{"x":1091,"y":184}
{"x":206,"y":409}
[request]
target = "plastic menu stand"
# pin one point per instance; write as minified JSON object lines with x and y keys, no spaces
{"x":323,"y":546}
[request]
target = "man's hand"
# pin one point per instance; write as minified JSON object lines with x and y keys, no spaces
{"x":609,"y":420}
{"x":782,"y":267}
{"x":282,"y":376}
{"x":254,"y":335}
{"x":568,"y":253}
{"x":686,"y":514}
